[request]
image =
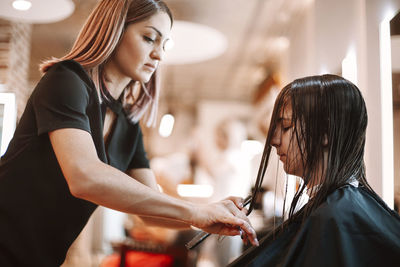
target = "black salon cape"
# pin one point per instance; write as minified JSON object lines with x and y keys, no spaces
{"x":352,"y":228}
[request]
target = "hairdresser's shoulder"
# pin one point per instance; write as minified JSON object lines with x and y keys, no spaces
{"x":69,"y":71}
{"x":64,"y":82}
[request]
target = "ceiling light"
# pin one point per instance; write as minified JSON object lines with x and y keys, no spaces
{"x":43,"y":11}
{"x":194,"y":43}
{"x":22,"y":5}
{"x":166,"y":125}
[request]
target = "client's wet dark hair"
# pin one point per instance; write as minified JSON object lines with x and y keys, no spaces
{"x":328,"y":114}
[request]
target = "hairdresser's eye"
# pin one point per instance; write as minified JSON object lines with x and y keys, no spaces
{"x":148,"y":39}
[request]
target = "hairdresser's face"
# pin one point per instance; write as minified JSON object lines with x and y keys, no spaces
{"x":142,"y":47}
{"x":285,"y":142}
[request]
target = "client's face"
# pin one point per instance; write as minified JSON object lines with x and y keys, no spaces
{"x":286,"y":144}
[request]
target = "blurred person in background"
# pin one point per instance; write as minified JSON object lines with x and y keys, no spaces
{"x":228,"y":170}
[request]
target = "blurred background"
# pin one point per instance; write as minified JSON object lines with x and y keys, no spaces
{"x":219,"y":82}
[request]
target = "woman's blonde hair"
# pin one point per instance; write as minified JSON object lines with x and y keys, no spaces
{"x":96,"y":42}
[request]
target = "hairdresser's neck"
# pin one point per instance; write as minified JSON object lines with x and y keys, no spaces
{"x":115,"y":80}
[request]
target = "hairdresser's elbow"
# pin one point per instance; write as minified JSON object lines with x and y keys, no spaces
{"x":81,"y":182}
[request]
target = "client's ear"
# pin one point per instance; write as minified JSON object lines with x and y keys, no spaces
{"x":325,"y":140}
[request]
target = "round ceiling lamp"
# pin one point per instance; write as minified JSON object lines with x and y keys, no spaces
{"x":36,"y":11}
{"x":194,"y":43}
{"x":22,"y":5}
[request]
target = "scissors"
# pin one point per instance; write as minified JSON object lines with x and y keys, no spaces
{"x":200,"y":237}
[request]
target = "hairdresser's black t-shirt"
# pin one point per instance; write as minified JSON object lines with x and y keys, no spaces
{"x":39,"y":218}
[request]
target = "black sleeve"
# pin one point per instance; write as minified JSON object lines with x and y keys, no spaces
{"x":60,"y":101}
{"x":139,"y":159}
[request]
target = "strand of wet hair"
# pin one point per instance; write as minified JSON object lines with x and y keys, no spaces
{"x":260,"y":175}
{"x":276,"y":185}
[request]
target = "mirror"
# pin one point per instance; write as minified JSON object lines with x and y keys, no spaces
{"x":7,"y":119}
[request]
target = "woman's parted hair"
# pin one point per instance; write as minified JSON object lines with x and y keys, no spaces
{"x":328,"y":114}
{"x":98,"y":39}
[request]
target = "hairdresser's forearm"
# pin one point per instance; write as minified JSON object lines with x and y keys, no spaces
{"x":161,"y":222}
{"x":107,"y":186}
{"x":146,"y":176}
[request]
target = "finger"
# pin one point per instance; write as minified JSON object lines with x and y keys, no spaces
{"x":245,"y":211}
{"x":245,"y":226}
{"x":237,"y":212}
{"x":247,"y":240}
{"x":238,"y":201}
{"x":240,"y":219}
{"x":231,"y":231}
{"x":250,"y":233}
{"x":241,"y":214}
{"x":244,"y":238}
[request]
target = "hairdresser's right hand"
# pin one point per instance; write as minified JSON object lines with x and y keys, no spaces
{"x":224,"y":218}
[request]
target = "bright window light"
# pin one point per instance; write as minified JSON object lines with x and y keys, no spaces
{"x":7,"y":120}
{"x":22,"y":5}
{"x":323,"y":70}
{"x":349,"y":67}
{"x":113,"y":227}
{"x":195,"y":190}
{"x":166,"y":125}
{"x":386,"y":112}
{"x":251,"y":147}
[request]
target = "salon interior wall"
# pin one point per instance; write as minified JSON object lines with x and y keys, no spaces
{"x":15,"y":46}
{"x":181,"y":135}
{"x":380,"y":162}
{"x":328,"y":32}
